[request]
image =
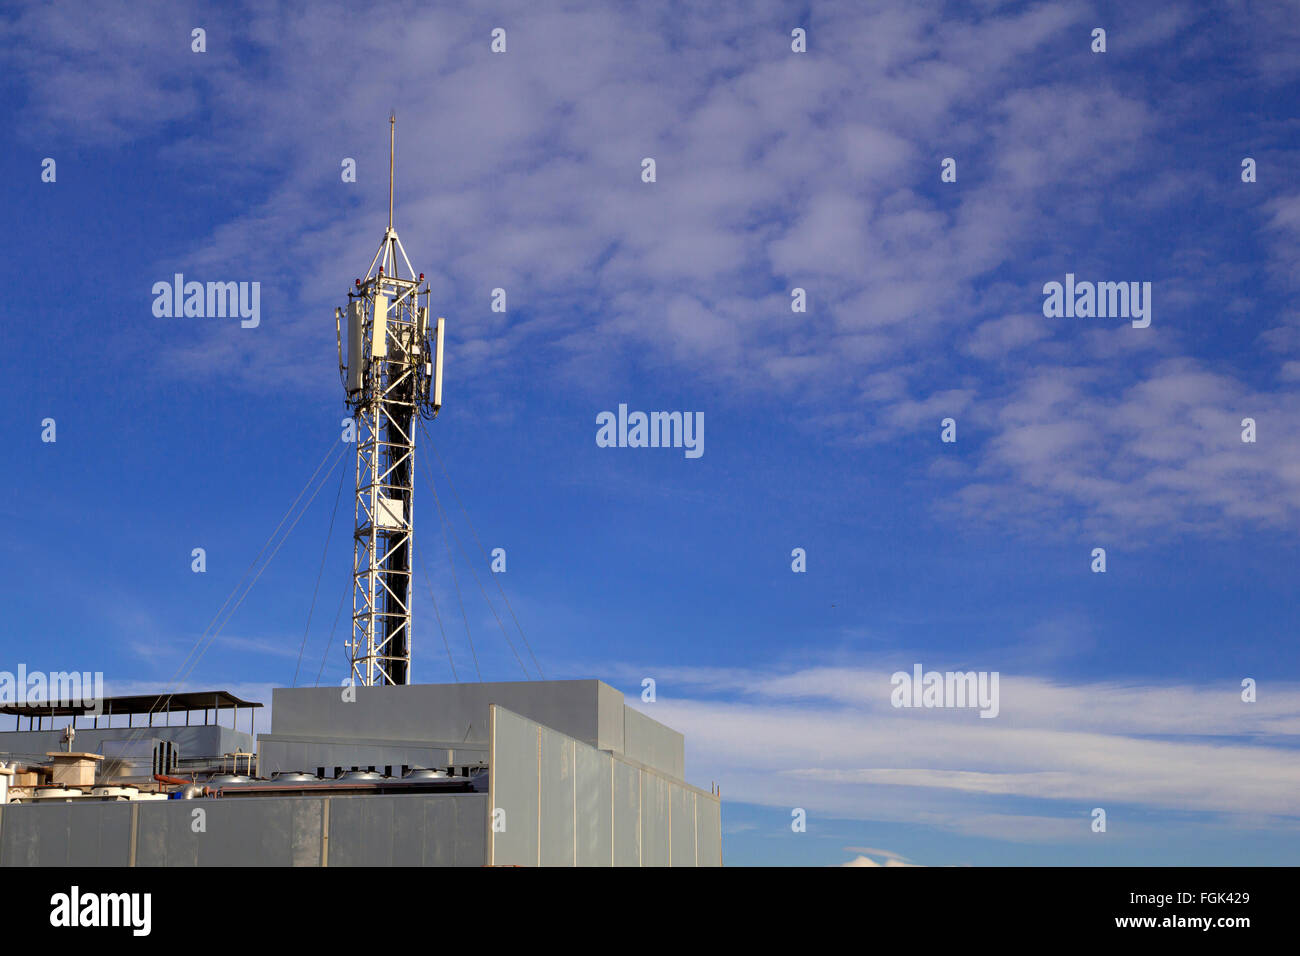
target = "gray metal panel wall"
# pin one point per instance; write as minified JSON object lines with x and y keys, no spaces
{"x":556,"y":781}
{"x":586,"y":806}
{"x":627,"y":814}
{"x":514,"y":790}
{"x":404,"y":829}
{"x":708,"y":831}
{"x":314,"y":727}
{"x":609,"y":703}
{"x":260,"y":831}
{"x":438,"y":712}
{"x":65,"y":834}
{"x":374,"y":835}
{"x":594,"y":808}
{"x":654,"y":820}
{"x":648,"y":742}
{"x":400,"y":830}
{"x":681,"y":825}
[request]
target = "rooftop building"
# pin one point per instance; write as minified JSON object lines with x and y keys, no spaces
{"x":520,"y":773}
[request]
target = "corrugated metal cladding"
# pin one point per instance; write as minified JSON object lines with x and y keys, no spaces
{"x":650,"y":743}
{"x":558,"y":802}
{"x":396,"y":830}
{"x":65,"y":834}
{"x":441,"y":725}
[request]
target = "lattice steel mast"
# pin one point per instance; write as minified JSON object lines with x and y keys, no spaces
{"x":393,"y":374}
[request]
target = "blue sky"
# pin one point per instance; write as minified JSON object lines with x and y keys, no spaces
{"x":775,"y":170}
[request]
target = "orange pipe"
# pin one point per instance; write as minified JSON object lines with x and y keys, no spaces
{"x":163,"y":778}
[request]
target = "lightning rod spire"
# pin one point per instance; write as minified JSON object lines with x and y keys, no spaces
{"x":392,"y":143}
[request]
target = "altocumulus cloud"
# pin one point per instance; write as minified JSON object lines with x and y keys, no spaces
{"x":775,"y":171}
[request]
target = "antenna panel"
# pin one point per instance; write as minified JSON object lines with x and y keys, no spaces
{"x":379,"y":344}
{"x":437,"y":365}
{"x":356,"y":361}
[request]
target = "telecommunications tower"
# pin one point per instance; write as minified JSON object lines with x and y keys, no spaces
{"x":393,"y":375}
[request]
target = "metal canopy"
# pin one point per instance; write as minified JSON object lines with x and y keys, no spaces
{"x":133,"y":704}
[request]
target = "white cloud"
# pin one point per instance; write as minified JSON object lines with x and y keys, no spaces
{"x":1162,"y":455}
{"x":828,"y":739}
{"x":775,"y":170}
